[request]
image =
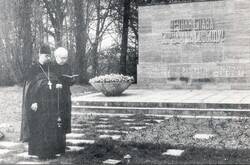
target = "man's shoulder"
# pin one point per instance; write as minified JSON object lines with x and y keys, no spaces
{"x":66,"y":65}
{"x":35,"y":68}
{"x":34,"y":65}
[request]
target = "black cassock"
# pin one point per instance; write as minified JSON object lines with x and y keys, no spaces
{"x":65,"y":102}
{"x":46,"y":136}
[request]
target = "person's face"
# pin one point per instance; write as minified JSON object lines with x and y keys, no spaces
{"x":62,"y":59}
{"x":44,"y":58}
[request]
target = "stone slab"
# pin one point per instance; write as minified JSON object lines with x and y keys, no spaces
{"x":158,"y":121}
{"x":74,"y":149}
{"x":74,"y":135}
{"x":4,"y":151}
{"x":159,"y":102}
{"x":114,"y":137}
{"x":150,"y":97}
{"x":33,"y":162}
{"x":77,"y":125}
{"x":203,"y":136}
{"x":138,"y":128}
{"x":76,"y":130}
{"x":131,"y":120}
{"x":25,"y":155}
{"x":102,"y":122}
{"x":128,"y":123}
{"x":104,"y":126}
{"x":9,"y":144}
{"x":173,"y":152}
{"x":104,"y":119}
{"x":5,"y":125}
{"x":100,"y":114}
{"x":111,"y":161}
{"x":149,"y":124}
{"x":78,"y":142}
{"x":111,"y":131}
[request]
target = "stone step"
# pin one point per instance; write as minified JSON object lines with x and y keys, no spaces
{"x":77,"y":126}
{"x":9,"y":144}
{"x":110,"y":131}
{"x":76,"y":142}
{"x":4,"y":151}
{"x":25,"y":155}
{"x":74,"y":149}
{"x":162,"y":111}
{"x":33,"y":162}
{"x":79,"y":114}
{"x":181,"y":104}
{"x":74,"y":135}
{"x":114,"y":137}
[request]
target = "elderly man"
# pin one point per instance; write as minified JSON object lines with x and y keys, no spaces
{"x":63,"y":71}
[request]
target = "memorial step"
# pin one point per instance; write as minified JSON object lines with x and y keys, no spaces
{"x":160,"y":110}
{"x":192,"y":103}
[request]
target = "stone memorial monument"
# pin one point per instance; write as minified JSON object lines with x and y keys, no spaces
{"x":196,"y":44}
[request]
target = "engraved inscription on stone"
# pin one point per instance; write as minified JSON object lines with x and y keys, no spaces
{"x":193,"y":31}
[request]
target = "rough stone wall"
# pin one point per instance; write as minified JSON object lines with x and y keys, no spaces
{"x":225,"y":63}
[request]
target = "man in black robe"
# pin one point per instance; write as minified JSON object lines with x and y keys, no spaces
{"x":41,"y":111}
{"x":64,"y":73}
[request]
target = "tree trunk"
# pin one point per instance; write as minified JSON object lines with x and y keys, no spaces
{"x":56,"y":12}
{"x":59,"y":17}
{"x":81,"y":60}
{"x":26,"y":35}
{"x":124,"y":44}
{"x":96,"y":42}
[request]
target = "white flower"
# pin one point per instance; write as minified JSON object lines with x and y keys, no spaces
{"x":111,"y":78}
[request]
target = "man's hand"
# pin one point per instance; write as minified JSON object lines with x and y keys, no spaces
{"x":58,"y":86}
{"x":34,"y":107}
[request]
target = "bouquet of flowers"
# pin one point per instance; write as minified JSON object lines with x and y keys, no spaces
{"x":111,"y":84}
{"x":111,"y":78}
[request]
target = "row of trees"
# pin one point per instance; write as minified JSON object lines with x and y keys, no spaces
{"x":146,"y":2}
{"x":82,"y":26}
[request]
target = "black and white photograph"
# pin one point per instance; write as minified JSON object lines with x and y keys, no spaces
{"x":125,"y":82}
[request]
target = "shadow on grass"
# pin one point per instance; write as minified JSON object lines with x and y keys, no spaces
{"x":145,"y":153}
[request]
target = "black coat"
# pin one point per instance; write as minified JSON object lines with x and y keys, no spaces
{"x":46,"y":137}
{"x":40,"y":128}
{"x":29,"y":75}
{"x":65,"y":99}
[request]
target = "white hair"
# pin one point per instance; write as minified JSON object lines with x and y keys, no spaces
{"x":60,"y":51}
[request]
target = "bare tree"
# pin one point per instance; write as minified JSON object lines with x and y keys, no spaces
{"x":56,"y":10}
{"x":25,"y":33}
{"x":102,"y":23}
{"x":124,"y":44}
{"x":80,"y":39}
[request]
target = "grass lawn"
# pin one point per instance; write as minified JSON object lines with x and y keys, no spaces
{"x":10,"y":110}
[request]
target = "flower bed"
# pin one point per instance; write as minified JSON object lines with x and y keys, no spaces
{"x":111,"y":85}
{"x":146,"y":146}
{"x":229,"y":134}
